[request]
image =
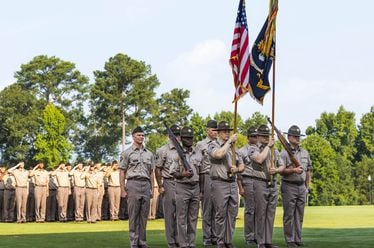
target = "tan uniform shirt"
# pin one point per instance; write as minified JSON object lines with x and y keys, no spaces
{"x":77,"y":177}
{"x":63,"y":178}
{"x":113,"y":179}
{"x":165,"y":157}
{"x":221,"y":167}
{"x":246,"y":152}
{"x":138,"y":163}
{"x":100,"y":177}
{"x":21,"y":177}
{"x":41,"y":177}
{"x":304,"y":159}
{"x":92,"y":180}
{"x":195,"y":161}
{"x":202,"y":149}
{"x":262,"y":170}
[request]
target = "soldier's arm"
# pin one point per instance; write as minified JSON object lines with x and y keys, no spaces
{"x":122,"y":178}
{"x":221,"y":152}
{"x":152,"y":176}
{"x":10,"y":170}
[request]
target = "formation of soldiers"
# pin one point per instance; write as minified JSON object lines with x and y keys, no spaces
{"x":86,"y":192}
{"x":213,"y":173}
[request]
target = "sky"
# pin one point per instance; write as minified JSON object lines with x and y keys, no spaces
{"x":324,"y":48}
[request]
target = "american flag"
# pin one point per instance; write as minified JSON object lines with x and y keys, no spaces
{"x":240,"y":59}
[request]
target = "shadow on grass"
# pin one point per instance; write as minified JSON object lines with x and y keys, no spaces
{"x":313,"y":237}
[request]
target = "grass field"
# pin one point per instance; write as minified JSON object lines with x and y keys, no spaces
{"x":336,"y":227}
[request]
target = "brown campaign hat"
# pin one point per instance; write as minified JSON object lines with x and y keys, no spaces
{"x":252,"y":131}
{"x":187,"y":132}
{"x":211,"y":124}
{"x":294,"y":131}
{"x":263,"y":130}
{"x":223,"y":125}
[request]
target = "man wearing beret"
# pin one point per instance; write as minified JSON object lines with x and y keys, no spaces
{"x":224,"y":185}
{"x":166,"y":156}
{"x":294,"y":188}
{"x":246,"y":186}
{"x":187,"y":190}
{"x":137,"y":167}
{"x":265,"y":187}
{"x":208,"y":212}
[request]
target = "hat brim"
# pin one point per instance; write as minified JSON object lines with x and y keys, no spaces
{"x":224,"y":129}
{"x":263,"y":134}
{"x":292,"y":134}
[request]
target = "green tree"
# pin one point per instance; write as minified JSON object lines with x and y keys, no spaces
{"x":340,"y":130}
{"x":229,"y":117}
{"x":57,"y":81}
{"x":198,"y":125}
{"x":155,"y":140}
{"x":325,"y":172}
{"x":173,"y":108}
{"x":124,"y":86}
{"x":365,"y":138}
{"x":19,"y":113}
{"x":51,"y":144}
{"x":256,"y":120}
{"x":364,"y":168}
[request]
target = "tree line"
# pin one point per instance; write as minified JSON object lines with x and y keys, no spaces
{"x":52,"y":112}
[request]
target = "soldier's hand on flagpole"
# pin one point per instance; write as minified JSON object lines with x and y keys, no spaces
{"x":161,"y":190}
{"x":233,"y":138}
{"x":271,"y":142}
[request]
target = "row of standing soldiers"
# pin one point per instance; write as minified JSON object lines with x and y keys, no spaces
{"x":90,"y":192}
{"x":214,"y":179}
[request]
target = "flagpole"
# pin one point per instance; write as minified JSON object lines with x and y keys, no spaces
{"x":235,"y":130}
{"x":273,"y":93}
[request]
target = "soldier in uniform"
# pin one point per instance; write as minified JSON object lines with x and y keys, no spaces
{"x":137,"y":167}
{"x":294,"y":188}
{"x":265,"y":186}
{"x":30,"y":205}
{"x":71,"y":205}
{"x":79,"y":191}
{"x":100,"y":174}
{"x":224,"y":185}
{"x":41,"y":178}
{"x":9,"y":197}
{"x":208,"y":212}
{"x":52,"y":198}
{"x":21,"y":176}
{"x":246,"y":187}
{"x":63,"y":182}
{"x":114,"y":190}
{"x":165,"y":157}
{"x":92,"y":185}
{"x":187,"y":191}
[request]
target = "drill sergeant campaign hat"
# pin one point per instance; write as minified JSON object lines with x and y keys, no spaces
{"x":212,"y":124}
{"x":187,"y":132}
{"x":263,"y":130}
{"x":252,"y":131}
{"x":294,"y":131}
{"x":176,"y":130}
{"x":223,"y":126}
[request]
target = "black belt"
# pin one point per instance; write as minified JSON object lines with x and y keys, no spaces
{"x":223,"y":180}
{"x":90,"y":188}
{"x":298,"y":183}
{"x":138,"y":178}
{"x":82,"y":187}
{"x":63,"y":186}
{"x":188,"y":183}
{"x":168,"y":178}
